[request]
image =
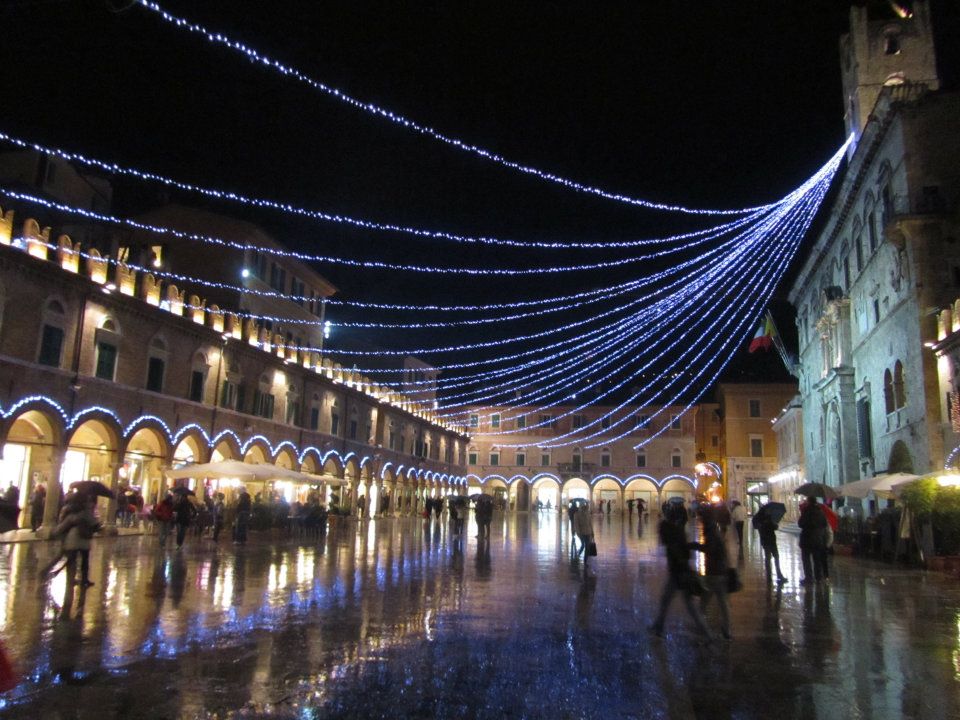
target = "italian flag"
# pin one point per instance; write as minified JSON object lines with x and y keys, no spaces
{"x":763,"y":340}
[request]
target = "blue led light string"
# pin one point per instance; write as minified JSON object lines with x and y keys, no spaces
{"x":501,"y":372}
{"x":307,"y":257}
{"x":734,"y":340}
{"x":425,"y":130}
{"x":361,"y":223}
{"x":599,"y":420}
{"x":690,"y":300}
{"x":660,"y":311}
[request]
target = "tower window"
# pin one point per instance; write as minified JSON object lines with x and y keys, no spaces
{"x":891,"y":44}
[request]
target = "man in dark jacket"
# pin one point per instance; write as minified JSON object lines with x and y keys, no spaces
{"x":813,"y":542}
{"x":184,"y":513}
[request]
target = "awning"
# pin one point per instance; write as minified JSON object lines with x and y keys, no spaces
{"x":262,"y":472}
{"x":878,"y":484}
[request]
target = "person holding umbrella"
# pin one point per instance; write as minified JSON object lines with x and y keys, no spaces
{"x":765,"y":522}
{"x":813,"y":542}
{"x":184,"y":512}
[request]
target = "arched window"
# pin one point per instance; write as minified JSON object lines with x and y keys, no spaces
{"x":888,"y":404}
{"x":335,"y":418}
{"x":899,"y":387}
{"x":51,"y":334}
{"x":605,"y":458}
{"x":156,"y":364}
{"x":198,"y":377}
{"x":107,"y":349}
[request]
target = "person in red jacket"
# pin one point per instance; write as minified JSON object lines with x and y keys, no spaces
{"x":163,"y":514}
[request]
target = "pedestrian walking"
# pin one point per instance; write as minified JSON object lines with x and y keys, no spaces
{"x":813,"y":542}
{"x":219,"y":511}
{"x":77,"y":525}
{"x":38,"y":499}
{"x":739,"y":517}
{"x":768,"y":542}
{"x":184,"y":513}
{"x":717,"y":567}
{"x":244,"y":508}
{"x":630,"y":509}
{"x":681,"y":578}
{"x":609,"y":506}
{"x":484,"y":515}
{"x":76,"y":544}
{"x":163,"y":515}
{"x":583,"y":526}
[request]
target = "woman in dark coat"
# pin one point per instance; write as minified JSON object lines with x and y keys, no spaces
{"x":680,"y":576}
{"x":813,"y":542}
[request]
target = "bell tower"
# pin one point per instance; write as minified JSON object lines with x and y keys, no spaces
{"x":888,"y":44}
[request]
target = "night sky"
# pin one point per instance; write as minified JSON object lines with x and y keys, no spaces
{"x":708,"y":104}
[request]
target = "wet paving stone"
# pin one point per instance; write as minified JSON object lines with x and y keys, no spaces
{"x":396,"y":618}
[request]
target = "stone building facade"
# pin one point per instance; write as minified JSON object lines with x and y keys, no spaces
{"x":506,"y":460}
{"x":748,"y":442}
{"x":108,"y":373}
{"x":886,"y":261}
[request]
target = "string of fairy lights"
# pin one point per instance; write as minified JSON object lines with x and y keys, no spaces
{"x":654,"y":342}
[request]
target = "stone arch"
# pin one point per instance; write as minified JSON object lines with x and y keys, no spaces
{"x":545,"y":488}
{"x":900,"y":459}
{"x":92,"y":452}
{"x":642,"y":487}
{"x":257,"y":452}
{"x":285,"y":457}
{"x":225,"y":447}
{"x":32,"y":437}
{"x":677,"y":486}
{"x":607,"y":489}
{"x":575,"y":487}
{"x":146,"y":450}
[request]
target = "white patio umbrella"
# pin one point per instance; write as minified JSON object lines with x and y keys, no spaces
{"x":882,"y":483}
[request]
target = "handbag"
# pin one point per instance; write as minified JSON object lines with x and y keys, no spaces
{"x":734,"y":584}
{"x":592,"y":549}
{"x":691,"y":582}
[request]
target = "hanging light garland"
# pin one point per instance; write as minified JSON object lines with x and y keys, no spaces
{"x":425,"y":130}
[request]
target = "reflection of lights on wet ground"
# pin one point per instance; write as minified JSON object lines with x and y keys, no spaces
{"x":223,"y":590}
{"x":304,"y":567}
{"x":427,"y":619}
{"x":956,"y":653}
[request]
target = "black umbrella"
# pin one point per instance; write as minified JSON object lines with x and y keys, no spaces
{"x":817,"y":490}
{"x":91,"y":487}
{"x":578,"y":502}
{"x":183,"y":490}
{"x":772,"y":511}
{"x":481,"y":498}
{"x":8,"y":517}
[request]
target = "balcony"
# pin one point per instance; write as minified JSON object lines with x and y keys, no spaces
{"x":582,"y":470}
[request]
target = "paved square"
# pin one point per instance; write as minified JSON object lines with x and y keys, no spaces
{"x":394,"y":618}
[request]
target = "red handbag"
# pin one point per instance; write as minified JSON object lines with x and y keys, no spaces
{"x":8,"y":676}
